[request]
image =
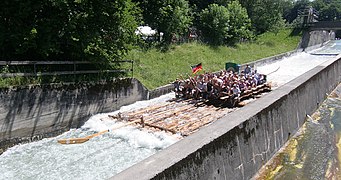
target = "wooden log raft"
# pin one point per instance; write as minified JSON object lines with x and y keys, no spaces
{"x":182,"y":120}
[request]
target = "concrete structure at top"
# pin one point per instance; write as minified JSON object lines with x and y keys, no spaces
{"x":325,"y":25}
{"x":315,"y":32}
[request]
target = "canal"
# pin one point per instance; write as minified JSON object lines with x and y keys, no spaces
{"x":106,"y":155}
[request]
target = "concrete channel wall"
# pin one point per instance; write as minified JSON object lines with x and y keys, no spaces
{"x":311,"y":39}
{"x":34,"y":112}
{"x":239,"y":144}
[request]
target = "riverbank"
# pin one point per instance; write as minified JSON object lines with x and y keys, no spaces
{"x":155,"y":68}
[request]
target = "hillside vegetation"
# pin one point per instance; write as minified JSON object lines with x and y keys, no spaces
{"x":155,"y":68}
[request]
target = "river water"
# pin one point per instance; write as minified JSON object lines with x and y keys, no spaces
{"x":106,"y":155}
{"x":315,"y":151}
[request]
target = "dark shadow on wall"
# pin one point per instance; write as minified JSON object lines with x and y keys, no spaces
{"x":37,"y":110}
{"x":305,"y":40}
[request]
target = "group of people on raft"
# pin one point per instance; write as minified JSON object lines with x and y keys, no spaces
{"x":216,"y":85}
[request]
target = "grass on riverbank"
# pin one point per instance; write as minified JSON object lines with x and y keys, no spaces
{"x":155,"y":68}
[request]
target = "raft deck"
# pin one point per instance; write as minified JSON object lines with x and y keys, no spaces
{"x":186,"y":116}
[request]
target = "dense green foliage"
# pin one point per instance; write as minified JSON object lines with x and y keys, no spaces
{"x":104,"y":31}
{"x":265,"y":14}
{"x":66,"y":29}
{"x":329,"y":10}
{"x":292,"y":10}
{"x":240,"y":24}
{"x":155,"y":68}
{"x":215,"y":24}
{"x":225,"y":25}
{"x":171,"y":17}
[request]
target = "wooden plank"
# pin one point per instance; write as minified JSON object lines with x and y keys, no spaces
{"x":190,"y":128}
{"x":200,"y":113}
{"x":174,"y":113}
{"x":150,"y":108}
{"x":160,"y":127}
{"x":84,"y":139}
{"x":224,"y":97}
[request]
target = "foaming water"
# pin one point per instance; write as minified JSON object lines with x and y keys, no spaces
{"x":99,"y":158}
{"x":281,"y":72}
{"x":333,"y":47}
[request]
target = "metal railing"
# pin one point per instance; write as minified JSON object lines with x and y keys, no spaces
{"x":74,"y":66}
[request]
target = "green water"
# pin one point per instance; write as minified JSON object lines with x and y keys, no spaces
{"x":315,"y":152}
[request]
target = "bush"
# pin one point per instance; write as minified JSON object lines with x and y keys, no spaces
{"x":171,"y":17}
{"x":240,"y":22}
{"x":225,"y":25}
{"x":215,"y":24}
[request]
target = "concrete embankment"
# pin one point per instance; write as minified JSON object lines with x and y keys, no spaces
{"x":313,"y":39}
{"x":34,"y":112}
{"x":237,"y":145}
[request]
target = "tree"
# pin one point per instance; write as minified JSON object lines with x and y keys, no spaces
{"x":201,"y":4}
{"x":67,"y":29}
{"x":215,"y":24}
{"x":175,"y":18}
{"x":329,"y":10}
{"x":265,"y":15}
{"x":296,"y":8}
{"x":239,"y":22}
{"x":169,"y":17}
{"x":17,"y":30}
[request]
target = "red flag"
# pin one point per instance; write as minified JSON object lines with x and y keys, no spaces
{"x":196,"y":68}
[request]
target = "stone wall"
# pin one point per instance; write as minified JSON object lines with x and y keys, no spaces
{"x":33,"y":112}
{"x":239,"y":144}
{"x":161,"y":91}
{"x":314,"y":39}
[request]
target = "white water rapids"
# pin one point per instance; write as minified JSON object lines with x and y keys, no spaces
{"x":106,"y":155}
{"x":99,"y":158}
